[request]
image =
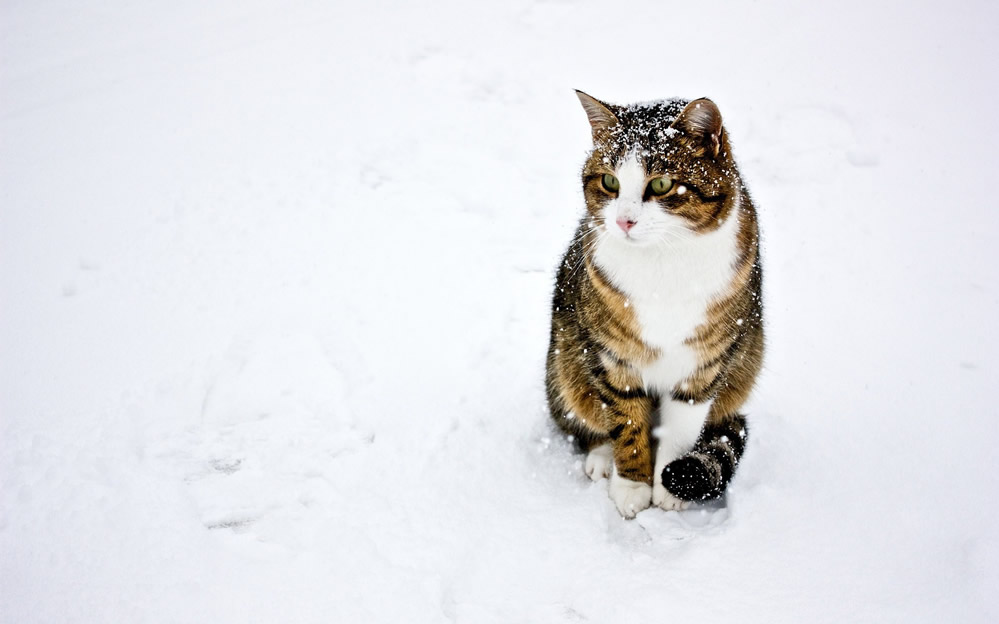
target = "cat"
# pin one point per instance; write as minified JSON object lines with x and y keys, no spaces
{"x":657,"y":316}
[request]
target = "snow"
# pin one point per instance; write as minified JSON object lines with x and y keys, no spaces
{"x":274,"y":287}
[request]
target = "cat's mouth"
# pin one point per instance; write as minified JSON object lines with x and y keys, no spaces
{"x":626,"y":233}
{"x":631,"y":239}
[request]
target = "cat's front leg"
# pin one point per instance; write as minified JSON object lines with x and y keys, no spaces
{"x":680,"y":426}
{"x":629,"y":428}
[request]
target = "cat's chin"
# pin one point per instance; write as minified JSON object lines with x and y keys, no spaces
{"x":631,"y":241}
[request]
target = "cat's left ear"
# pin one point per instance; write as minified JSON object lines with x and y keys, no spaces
{"x":701,"y":120}
{"x":600,"y":115}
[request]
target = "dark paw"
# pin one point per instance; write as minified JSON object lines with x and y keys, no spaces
{"x":689,"y":479}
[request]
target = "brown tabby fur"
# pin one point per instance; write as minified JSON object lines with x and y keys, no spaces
{"x":595,"y":390}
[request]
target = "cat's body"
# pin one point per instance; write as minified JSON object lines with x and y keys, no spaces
{"x":657,"y":333}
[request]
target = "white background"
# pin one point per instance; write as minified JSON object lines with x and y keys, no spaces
{"x":274,"y":283}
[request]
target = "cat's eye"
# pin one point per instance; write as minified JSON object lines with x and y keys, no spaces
{"x":611,"y":184}
{"x":660,"y":186}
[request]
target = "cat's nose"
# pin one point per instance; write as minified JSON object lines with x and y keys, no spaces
{"x":626,"y":224}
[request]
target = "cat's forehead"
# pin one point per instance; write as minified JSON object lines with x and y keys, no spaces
{"x":643,"y":128}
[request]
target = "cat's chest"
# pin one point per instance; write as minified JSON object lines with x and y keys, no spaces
{"x":667,"y":319}
{"x":669,"y":292}
{"x":668,"y":309}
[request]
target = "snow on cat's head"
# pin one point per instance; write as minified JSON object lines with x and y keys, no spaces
{"x":659,"y":172}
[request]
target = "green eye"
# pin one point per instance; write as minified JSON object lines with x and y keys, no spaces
{"x":660,"y":186}
{"x":611,"y":183}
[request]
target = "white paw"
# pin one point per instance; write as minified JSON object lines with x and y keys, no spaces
{"x":662,"y":498}
{"x":599,"y":461}
{"x":629,"y":496}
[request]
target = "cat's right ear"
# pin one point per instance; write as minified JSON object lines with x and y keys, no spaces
{"x":600,"y":115}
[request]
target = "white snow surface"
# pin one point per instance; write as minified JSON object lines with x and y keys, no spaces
{"x":274,"y":288}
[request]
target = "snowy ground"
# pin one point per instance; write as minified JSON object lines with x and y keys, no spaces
{"x":274,"y":285}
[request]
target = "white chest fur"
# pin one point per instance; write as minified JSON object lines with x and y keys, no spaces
{"x":670,"y":285}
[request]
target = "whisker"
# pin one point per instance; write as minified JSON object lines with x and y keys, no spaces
{"x":586,"y":246}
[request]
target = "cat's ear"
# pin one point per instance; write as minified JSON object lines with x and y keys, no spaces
{"x":600,"y":115}
{"x":701,"y":121}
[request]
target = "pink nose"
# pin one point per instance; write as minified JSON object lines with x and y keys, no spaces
{"x":626,"y":224}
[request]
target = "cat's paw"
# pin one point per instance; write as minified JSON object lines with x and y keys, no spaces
{"x":629,"y":496}
{"x":599,"y":462}
{"x":663,"y":499}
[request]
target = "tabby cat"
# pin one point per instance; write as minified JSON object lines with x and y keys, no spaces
{"x":657,"y":326}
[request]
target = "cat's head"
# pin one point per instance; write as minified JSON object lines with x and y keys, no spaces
{"x":658,"y":171}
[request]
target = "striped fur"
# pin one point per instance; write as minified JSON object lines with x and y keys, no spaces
{"x":667,"y":315}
